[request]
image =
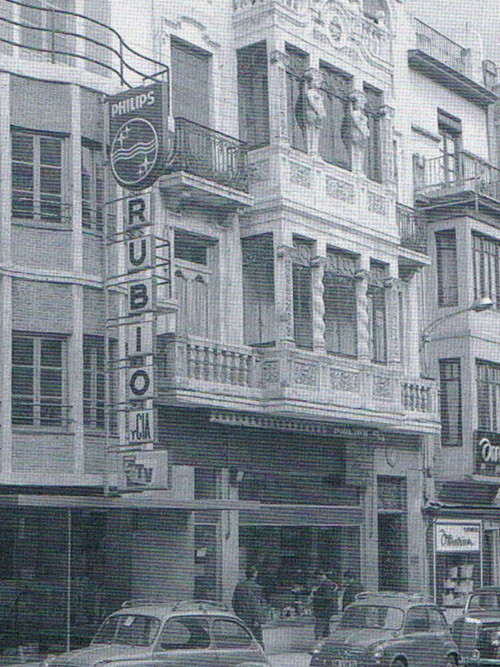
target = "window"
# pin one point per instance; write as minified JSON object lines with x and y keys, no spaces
{"x":190,"y":76}
{"x":437,"y":622}
{"x":486,"y":264}
{"x":451,"y":402}
{"x":302,"y":294}
{"x":450,"y":129}
{"x":41,"y":30}
{"x":373,"y":106}
{"x":335,"y":141}
{"x":253,"y":94}
{"x":488,"y":396}
{"x":193,"y":277}
{"x":447,"y":275}
{"x":92,"y":186}
{"x":296,"y":66}
{"x":185,"y":632}
{"x":38,"y":380}
{"x":377,"y":312}
{"x":258,"y":289}
{"x":94,"y":383}
{"x":416,"y":620}
{"x":37,"y":176}
{"x":340,"y":303}
{"x":230,"y":634}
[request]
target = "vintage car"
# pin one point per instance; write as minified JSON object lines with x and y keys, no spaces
{"x":477,"y":630}
{"x":150,"y":633}
{"x":389,"y":630}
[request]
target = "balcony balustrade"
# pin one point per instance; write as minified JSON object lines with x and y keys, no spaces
{"x":461,"y":172}
{"x":442,"y":48}
{"x":209,"y":154}
{"x":412,"y":229}
{"x":201,"y":370}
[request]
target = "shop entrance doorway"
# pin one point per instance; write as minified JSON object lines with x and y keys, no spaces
{"x":392,"y":557}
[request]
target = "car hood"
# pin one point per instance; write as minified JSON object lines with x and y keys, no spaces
{"x":484,"y":616}
{"x":85,"y":657}
{"x":354,"y":637}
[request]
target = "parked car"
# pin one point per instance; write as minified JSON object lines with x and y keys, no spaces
{"x":182,"y":634}
{"x":389,"y":630}
{"x":477,"y":630}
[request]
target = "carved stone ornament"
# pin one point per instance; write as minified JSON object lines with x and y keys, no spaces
{"x":269,"y":372}
{"x":339,"y":189}
{"x":342,"y":25}
{"x":258,"y":171}
{"x":344,"y":380}
{"x":305,"y":373}
{"x":300,"y":174}
{"x":382,"y":386}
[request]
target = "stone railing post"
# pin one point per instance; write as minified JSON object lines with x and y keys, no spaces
{"x":284,"y":294}
{"x":364,"y":353}
{"x":318,"y":304}
{"x":393,"y":287}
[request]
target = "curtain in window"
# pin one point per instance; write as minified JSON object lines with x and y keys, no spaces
{"x":339,"y":297}
{"x":258,"y":289}
{"x":253,"y":94}
{"x":447,"y":276}
{"x":451,"y":402}
{"x":377,"y":312}
{"x":485,"y":258}
{"x":297,"y":65}
{"x":488,"y":395}
{"x":190,"y":88}
{"x":335,"y":136}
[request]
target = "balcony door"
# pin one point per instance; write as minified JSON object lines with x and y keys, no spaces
{"x":190,"y":82}
{"x":450,"y":130}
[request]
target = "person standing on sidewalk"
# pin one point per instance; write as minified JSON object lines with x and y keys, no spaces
{"x":324,"y":603}
{"x":350,"y":588}
{"x":249,"y":605}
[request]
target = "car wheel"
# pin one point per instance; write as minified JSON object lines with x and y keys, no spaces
{"x":451,"y":661}
{"x":398,"y":663}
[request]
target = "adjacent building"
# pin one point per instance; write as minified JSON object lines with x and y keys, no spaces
{"x":328,"y":169}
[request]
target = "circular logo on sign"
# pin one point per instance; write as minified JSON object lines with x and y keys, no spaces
{"x":134,"y":152}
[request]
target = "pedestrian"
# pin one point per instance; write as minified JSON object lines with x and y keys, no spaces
{"x":248,"y":603}
{"x":324,"y":603}
{"x":350,"y":588}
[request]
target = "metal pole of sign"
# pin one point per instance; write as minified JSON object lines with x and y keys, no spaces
{"x":68,"y":582}
{"x":434,"y":560}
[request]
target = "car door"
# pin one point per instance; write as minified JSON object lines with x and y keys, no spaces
{"x":234,"y":643}
{"x":184,"y":641}
{"x":441,"y":636}
{"x":415,"y":641}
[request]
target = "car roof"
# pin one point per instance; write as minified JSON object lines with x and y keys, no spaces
{"x":486,"y":589}
{"x":392,"y":598}
{"x":166,"y":608}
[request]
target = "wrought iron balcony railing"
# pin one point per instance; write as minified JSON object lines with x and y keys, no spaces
{"x":209,"y":154}
{"x":459,"y":172}
{"x":62,"y":36}
{"x":412,"y":230}
{"x":441,"y":48}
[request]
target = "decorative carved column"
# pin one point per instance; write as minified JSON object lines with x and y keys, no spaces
{"x":393,"y":288}
{"x":363,"y":315}
{"x":278,"y":112}
{"x":386,"y":144}
{"x":360,"y":131}
{"x":318,"y":304}
{"x":283,"y":281}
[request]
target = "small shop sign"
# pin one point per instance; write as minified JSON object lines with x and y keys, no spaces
{"x":487,"y":453}
{"x":143,"y":470}
{"x":457,"y":537}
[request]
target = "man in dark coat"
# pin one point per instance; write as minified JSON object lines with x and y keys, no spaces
{"x":351,"y":588}
{"x":324,"y":603}
{"x":248,"y":603}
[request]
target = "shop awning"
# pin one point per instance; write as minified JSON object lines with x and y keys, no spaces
{"x":136,"y":501}
{"x":302,"y":515}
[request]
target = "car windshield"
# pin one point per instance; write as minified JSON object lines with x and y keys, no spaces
{"x":485,"y":601}
{"x":372,"y":616}
{"x":130,"y":629}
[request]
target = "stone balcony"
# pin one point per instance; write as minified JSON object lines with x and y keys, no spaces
{"x":287,"y":379}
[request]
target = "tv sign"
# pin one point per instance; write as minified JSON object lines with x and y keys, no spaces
{"x":137,"y":135}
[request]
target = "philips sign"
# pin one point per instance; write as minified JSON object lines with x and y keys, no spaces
{"x":137,"y":136}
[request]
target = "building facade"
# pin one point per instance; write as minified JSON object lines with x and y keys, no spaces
{"x":299,"y":242}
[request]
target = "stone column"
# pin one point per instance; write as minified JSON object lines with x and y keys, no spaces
{"x":393,"y":288}
{"x":278,"y":112}
{"x":386,"y":145}
{"x":283,"y":282}
{"x":318,"y":304}
{"x":363,"y":315}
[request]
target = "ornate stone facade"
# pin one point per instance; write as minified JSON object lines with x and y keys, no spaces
{"x":344,"y":380}
{"x":339,"y":189}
